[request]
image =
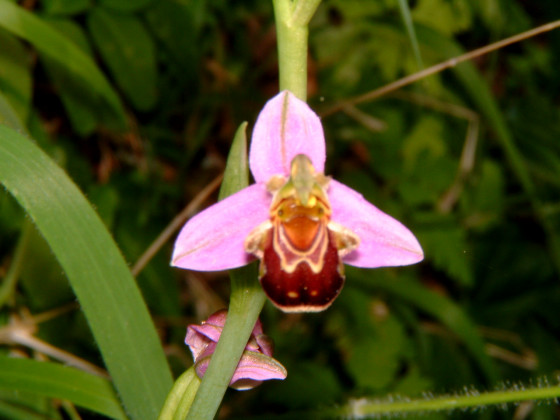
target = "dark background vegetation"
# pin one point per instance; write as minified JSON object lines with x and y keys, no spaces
{"x":189,"y":72}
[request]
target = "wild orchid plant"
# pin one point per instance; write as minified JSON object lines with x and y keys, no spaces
{"x":301,"y":224}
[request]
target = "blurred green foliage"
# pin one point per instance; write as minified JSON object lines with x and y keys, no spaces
{"x":480,"y":311}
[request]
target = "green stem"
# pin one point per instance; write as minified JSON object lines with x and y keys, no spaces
{"x":10,"y":281}
{"x":292,"y":19}
{"x":246,"y":302}
{"x":304,"y":11}
{"x":470,"y":400}
{"x":247,"y":297}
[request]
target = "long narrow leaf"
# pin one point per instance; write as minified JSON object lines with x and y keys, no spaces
{"x":407,"y":18}
{"x":96,"y":270}
{"x":63,"y":382}
{"x":49,"y":41}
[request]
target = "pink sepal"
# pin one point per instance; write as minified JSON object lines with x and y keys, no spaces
{"x":384,"y":241}
{"x":285,"y":127}
{"x":213,"y":239}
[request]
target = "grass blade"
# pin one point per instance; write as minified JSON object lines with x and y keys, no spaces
{"x":407,"y":18}
{"x":57,"y":381}
{"x":96,"y":270}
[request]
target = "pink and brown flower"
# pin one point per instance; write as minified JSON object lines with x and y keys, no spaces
{"x":301,"y":224}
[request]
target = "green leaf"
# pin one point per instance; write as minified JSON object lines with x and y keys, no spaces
{"x":167,"y":20}
{"x":426,"y":140}
{"x":448,"y":17}
{"x":407,"y":18}
{"x":125,"y":5}
{"x":82,"y":109}
{"x":96,"y":270}
{"x":62,"y":382}
{"x":15,"y":73}
{"x":236,"y":175}
{"x":41,"y":277}
{"x":8,"y":115}
{"x":447,"y":247}
{"x":65,"y":7}
{"x":48,"y":41}
{"x":374,"y":360}
{"x":129,"y":52}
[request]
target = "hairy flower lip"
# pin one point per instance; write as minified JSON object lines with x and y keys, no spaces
{"x":214,"y":239}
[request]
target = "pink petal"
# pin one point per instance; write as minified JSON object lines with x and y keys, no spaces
{"x":213,"y":239}
{"x":384,"y":241}
{"x":217,"y":319}
{"x":208,"y":331}
{"x":203,"y":360}
{"x":256,"y":367}
{"x":265,"y":344}
{"x":253,"y":368}
{"x":285,"y":127}
{"x":258,"y":329}
{"x":197,"y":342}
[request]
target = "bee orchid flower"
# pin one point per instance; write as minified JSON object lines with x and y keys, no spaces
{"x":301,"y":224}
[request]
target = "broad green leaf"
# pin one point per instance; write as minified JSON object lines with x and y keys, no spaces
{"x":65,"y":7}
{"x":48,"y":41}
{"x":125,"y":5}
{"x":448,"y":17}
{"x":447,"y":249}
{"x":128,"y":52}
{"x":374,"y":360}
{"x":426,"y":140}
{"x":15,"y":73}
{"x":62,"y":382}
{"x":96,"y":270}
